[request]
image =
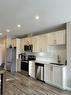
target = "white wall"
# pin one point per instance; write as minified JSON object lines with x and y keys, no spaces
{"x":69,"y":55}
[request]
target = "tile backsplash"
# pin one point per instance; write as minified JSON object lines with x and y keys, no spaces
{"x":53,"y":52}
{"x":59,"y":50}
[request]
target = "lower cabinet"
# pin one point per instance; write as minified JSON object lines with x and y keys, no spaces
{"x":48,"y":76}
{"x":18,"y":65}
{"x":32,"y":69}
{"x":55,"y":75}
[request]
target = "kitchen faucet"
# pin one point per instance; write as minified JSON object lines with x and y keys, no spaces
{"x":58,"y":58}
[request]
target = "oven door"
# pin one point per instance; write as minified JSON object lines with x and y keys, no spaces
{"x":25,"y":66}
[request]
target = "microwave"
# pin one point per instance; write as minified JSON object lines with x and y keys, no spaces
{"x":28,"y":48}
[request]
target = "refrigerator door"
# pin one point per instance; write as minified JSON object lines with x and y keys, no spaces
{"x":13,"y":65}
{"x":11,"y":59}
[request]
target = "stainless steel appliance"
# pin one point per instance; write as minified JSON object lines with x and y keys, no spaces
{"x":24,"y":56}
{"x":25,"y":63}
{"x":39,"y":71}
{"x":11,"y":59}
{"x":28,"y":48}
{"x":25,"y":67}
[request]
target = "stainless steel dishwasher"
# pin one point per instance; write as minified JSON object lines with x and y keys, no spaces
{"x":39,"y":71}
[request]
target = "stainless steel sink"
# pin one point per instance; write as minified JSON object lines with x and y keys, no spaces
{"x":57,"y":64}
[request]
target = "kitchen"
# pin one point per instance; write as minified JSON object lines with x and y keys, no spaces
{"x":35,"y":45}
{"x":46,"y":57}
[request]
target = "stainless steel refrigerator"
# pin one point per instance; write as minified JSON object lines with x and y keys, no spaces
{"x":11,"y":59}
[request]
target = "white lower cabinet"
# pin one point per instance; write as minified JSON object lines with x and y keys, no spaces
{"x":32,"y":69}
{"x":18,"y":65}
{"x":55,"y":75}
{"x":48,"y":74}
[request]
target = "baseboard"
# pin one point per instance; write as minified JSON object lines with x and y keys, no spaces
{"x":68,"y":88}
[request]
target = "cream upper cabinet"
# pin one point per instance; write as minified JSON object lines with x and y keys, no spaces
{"x":39,"y":43}
{"x":34,"y":42}
{"x":28,"y":40}
{"x":22,"y":44}
{"x":60,"y":37}
{"x":43,"y":42}
{"x":56,"y":38}
{"x":51,"y":38}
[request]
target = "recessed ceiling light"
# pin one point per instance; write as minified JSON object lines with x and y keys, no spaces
{"x":7,"y":30}
{"x":36,"y":17}
{"x":19,"y":25}
{"x":0,"y":33}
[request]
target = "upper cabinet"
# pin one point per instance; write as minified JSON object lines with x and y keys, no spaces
{"x":56,"y":38}
{"x":44,"y":43}
{"x":51,"y":38}
{"x":27,"y":41}
{"x":34,"y":43}
{"x":39,"y":43}
{"x":60,"y":36}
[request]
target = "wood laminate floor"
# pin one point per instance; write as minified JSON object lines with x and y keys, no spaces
{"x":23,"y":85}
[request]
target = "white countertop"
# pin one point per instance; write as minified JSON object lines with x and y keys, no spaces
{"x":46,"y":61}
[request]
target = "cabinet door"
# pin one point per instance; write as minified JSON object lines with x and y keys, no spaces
{"x":39,"y":43}
{"x":48,"y":74}
{"x":57,"y":76}
{"x":37,"y":47}
{"x":34,"y":42}
{"x":51,"y":38}
{"x":22,"y":44}
{"x":60,"y":37}
{"x":32,"y":68}
{"x":28,"y":40}
{"x":43,"y":43}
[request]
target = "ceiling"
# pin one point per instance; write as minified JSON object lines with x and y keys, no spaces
{"x":51,"y":13}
